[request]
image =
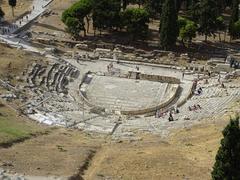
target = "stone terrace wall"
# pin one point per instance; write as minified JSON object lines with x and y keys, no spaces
{"x":162,"y":79}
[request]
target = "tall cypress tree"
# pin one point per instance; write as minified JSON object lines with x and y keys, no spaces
{"x":228,"y":156}
{"x":208,"y":14}
{"x":234,"y":17}
{"x":168,"y":25}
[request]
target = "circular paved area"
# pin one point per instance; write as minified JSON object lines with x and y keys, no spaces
{"x":128,"y":94}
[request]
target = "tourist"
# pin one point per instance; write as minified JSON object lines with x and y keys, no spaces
{"x":194,"y":107}
{"x":219,"y":78}
{"x":206,"y":81}
{"x":189,"y":108}
{"x":199,"y":92}
{"x":170,"y":116}
{"x":177,"y":111}
{"x":170,"y":119}
{"x":199,"y":107}
{"x":157,"y":114}
{"x":183,"y":75}
{"x":222,"y":85}
{"x":209,"y":73}
{"x":33,"y":7}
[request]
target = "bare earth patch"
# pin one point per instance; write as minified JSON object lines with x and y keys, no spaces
{"x":60,"y":153}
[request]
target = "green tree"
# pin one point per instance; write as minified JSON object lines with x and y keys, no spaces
{"x":74,"y":26}
{"x":207,"y":18}
{"x":234,"y":18}
{"x":154,"y":7}
{"x":136,"y":22}
{"x":236,"y":29}
{"x":187,"y":30}
{"x":221,"y":26}
{"x":124,"y":4}
{"x":77,"y":12}
{"x":106,"y":14}
{"x":13,"y":4}
{"x":227,"y":166}
{"x":221,"y":4}
{"x":168,"y":25}
{"x":193,"y":9}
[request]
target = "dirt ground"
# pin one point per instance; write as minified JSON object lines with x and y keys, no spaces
{"x":13,"y":61}
{"x":186,"y":154}
{"x":21,"y":7}
{"x":62,"y":152}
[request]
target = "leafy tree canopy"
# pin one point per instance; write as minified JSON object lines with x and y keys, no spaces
{"x":135,"y":20}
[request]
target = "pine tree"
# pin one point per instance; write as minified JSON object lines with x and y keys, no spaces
{"x":228,"y":156}
{"x":168,"y":25}
{"x":208,"y":14}
{"x":234,"y":18}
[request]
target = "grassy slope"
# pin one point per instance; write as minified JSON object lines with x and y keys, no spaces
{"x":14,"y":128}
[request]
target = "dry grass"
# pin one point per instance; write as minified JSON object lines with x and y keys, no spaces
{"x":13,"y":61}
{"x":187,"y":154}
{"x":62,"y":153}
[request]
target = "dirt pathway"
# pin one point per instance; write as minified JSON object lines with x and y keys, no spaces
{"x":96,"y":162}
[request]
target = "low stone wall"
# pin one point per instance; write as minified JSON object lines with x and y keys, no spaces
{"x":162,"y":79}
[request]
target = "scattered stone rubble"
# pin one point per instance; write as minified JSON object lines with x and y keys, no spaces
{"x":53,"y":77}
